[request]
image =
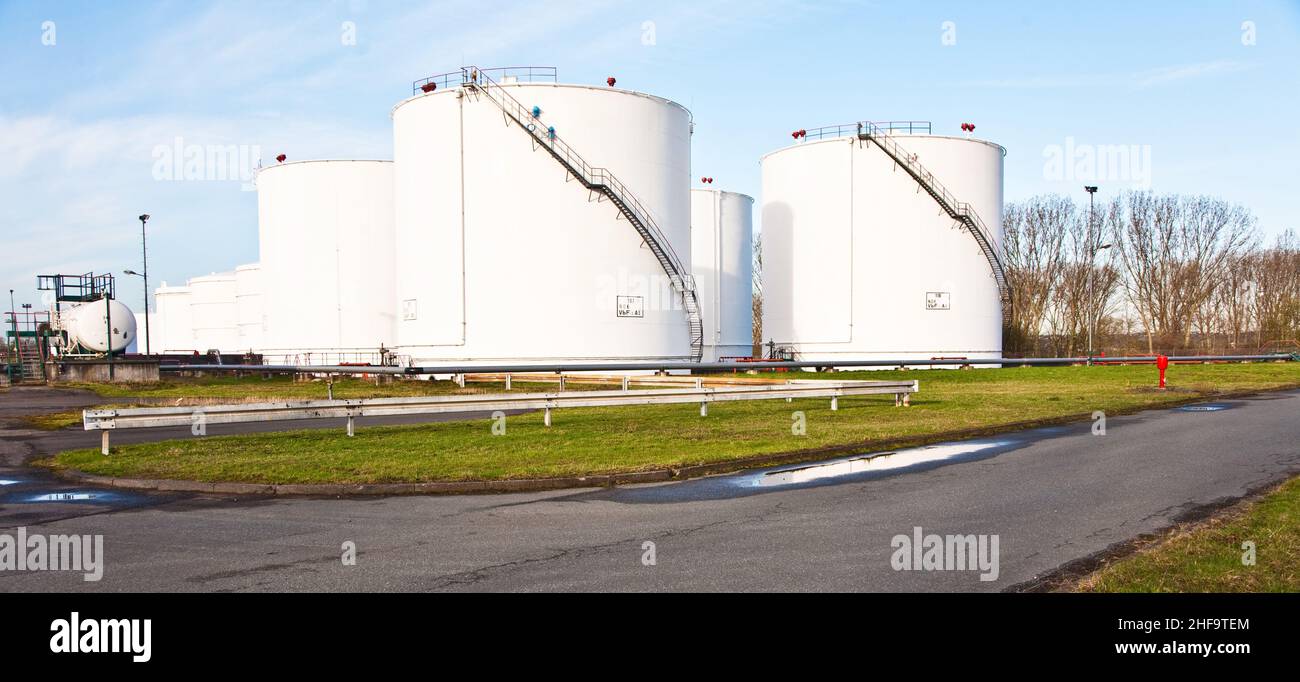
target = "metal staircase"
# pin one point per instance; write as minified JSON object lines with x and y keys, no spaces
{"x":960,"y":211}
{"x":603,"y":181}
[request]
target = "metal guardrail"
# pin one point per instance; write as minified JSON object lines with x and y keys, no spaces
{"x":721,"y":366}
{"x":154,"y":417}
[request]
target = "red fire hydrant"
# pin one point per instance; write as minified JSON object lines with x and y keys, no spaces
{"x":1162,"y":363}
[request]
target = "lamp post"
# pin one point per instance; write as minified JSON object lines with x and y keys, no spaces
{"x":144,"y":252}
{"x":1093,"y":248}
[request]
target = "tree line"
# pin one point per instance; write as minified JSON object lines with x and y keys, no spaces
{"x":1146,"y":273}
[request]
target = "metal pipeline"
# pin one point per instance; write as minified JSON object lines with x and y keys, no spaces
{"x":712,"y":366}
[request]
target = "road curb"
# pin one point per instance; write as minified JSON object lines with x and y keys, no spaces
{"x":520,"y":485}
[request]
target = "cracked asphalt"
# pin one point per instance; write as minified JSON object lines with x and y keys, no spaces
{"x":1051,"y":495}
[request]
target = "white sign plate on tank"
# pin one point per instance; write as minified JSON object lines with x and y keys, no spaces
{"x":937,"y":300}
{"x":631,"y":306}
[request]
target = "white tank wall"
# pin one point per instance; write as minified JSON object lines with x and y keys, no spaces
{"x":248,"y":305}
{"x":172,"y":323}
{"x":722,"y":233}
{"x":851,"y":249}
{"x":326,"y":241}
{"x":213,"y":312}
{"x":501,"y":256}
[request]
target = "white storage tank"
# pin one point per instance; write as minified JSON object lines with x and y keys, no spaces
{"x":722,"y":251}
{"x":248,"y":305}
{"x":100,"y":326}
{"x":173,"y":329}
{"x":503,"y":256}
{"x":326,"y":240}
{"x":860,"y":262}
{"x":214,"y":313}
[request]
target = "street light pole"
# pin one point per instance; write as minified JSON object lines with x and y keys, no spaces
{"x":1092,"y":257}
{"x":144,"y":252}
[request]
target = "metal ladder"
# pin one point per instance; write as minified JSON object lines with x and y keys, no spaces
{"x":960,"y":211}
{"x":603,"y":181}
{"x":30,"y":366}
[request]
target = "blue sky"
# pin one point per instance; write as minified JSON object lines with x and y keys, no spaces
{"x":1210,"y":90}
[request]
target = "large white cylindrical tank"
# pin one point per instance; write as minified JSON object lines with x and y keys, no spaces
{"x":173,"y":324}
{"x":502,"y":256}
{"x":722,"y":233}
{"x":214,"y":313}
{"x":100,"y":326}
{"x":861,"y":263}
{"x":248,"y":304}
{"x":326,"y":240}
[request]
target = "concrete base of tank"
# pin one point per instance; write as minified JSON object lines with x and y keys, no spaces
{"x":99,"y":371}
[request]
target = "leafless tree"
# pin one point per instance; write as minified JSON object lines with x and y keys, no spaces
{"x":1172,"y":252}
{"x":1276,"y":294}
{"x":1034,"y":231}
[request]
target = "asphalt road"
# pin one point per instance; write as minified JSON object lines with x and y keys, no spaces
{"x":1051,"y":496}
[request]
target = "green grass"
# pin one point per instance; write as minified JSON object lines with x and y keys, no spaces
{"x":53,"y":421}
{"x":280,"y":387}
{"x":620,"y":439}
{"x":1208,"y":556}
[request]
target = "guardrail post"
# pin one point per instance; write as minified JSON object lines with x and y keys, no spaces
{"x":546,"y":417}
{"x":460,"y":380}
{"x":561,"y":382}
{"x":704,"y":409}
{"x":352,"y":431}
{"x":103,"y":443}
{"x":625,"y":382}
{"x":507,"y":382}
{"x":835,"y":403}
{"x":898,"y":399}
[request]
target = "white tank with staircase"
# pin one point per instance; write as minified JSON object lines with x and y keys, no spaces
{"x":542,"y":222}
{"x":883,"y":241}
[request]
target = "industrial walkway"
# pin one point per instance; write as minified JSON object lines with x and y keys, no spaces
{"x":1051,"y":496}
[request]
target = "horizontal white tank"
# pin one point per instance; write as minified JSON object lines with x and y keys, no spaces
{"x":248,"y":304}
{"x":326,"y":239}
{"x":860,"y":263}
{"x":100,"y":326}
{"x":214,"y":313}
{"x":722,"y":250}
{"x":503,"y":256}
{"x":173,"y":329}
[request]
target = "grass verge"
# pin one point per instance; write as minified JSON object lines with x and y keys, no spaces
{"x":1208,"y":556}
{"x":611,"y":440}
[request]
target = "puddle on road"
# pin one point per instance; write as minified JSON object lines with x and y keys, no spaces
{"x":884,"y":461}
{"x":69,"y":496}
{"x":1208,"y":407}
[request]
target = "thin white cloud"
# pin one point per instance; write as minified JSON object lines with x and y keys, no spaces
{"x":1137,"y":80}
